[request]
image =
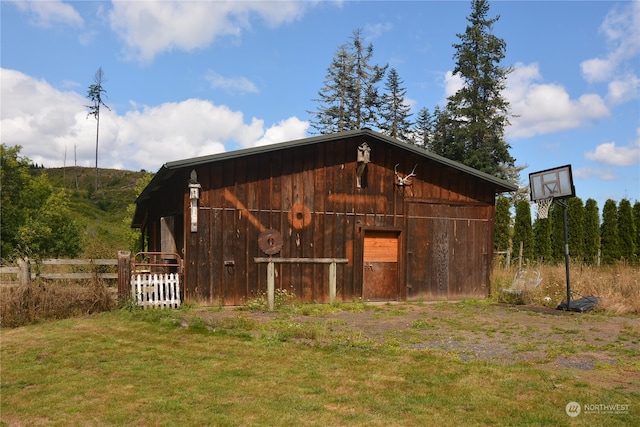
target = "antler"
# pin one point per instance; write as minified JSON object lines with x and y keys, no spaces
{"x":404,"y":180}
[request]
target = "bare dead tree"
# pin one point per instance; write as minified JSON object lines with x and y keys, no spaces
{"x":95,"y":94}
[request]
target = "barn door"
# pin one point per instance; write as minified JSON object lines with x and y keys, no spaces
{"x":380,"y":266}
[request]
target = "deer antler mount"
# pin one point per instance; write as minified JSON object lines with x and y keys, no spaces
{"x":403,"y":181}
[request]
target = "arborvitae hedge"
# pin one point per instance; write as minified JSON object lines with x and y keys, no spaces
{"x":610,"y":243}
{"x":523,"y":231}
{"x":626,"y":231}
{"x":591,"y":232}
{"x":502,"y":225}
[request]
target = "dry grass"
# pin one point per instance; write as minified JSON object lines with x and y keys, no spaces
{"x":617,"y":286}
{"x":41,"y":300}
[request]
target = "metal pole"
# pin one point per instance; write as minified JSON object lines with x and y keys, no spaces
{"x":566,"y":255}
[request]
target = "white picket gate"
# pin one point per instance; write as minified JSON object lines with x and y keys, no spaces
{"x":156,"y":290}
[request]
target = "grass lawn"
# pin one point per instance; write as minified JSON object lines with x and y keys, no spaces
{"x":164,"y":368}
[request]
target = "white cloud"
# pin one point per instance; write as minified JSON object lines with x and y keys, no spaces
{"x":452,"y":83}
{"x":231,"y":85}
{"x":48,"y":123}
{"x":286,"y":130}
{"x":49,"y":13}
{"x":621,"y":28}
{"x":148,"y":28}
{"x":623,"y":89}
{"x":593,"y":173}
{"x":544,"y":108}
{"x":610,"y":153}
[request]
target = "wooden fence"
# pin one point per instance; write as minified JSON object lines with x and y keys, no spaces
{"x":28,"y":270}
{"x":156,"y":290}
{"x":152,"y":287}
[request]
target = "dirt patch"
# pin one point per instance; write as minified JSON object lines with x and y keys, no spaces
{"x":506,"y":334}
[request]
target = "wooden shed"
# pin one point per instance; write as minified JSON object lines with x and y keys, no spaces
{"x":426,"y":235}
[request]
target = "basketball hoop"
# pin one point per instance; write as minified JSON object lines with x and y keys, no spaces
{"x":543,"y":206}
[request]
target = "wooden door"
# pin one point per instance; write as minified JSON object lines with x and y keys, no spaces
{"x":380,"y":265}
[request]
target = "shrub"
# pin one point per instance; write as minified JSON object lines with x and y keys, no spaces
{"x":41,"y":300}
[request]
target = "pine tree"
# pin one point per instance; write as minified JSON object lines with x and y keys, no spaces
{"x":591,"y":231}
{"x":423,"y":128}
{"x":523,"y":231}
{"x":349,"y":99}
{"x":609,"y":243}
{"x":394,"y":113}
{"x":478,"y":110}
{"x":443,"y":142}
{"x":575,"y":228}
{"x":502,"y":225}
{"x":333,"y":114}
{"x":626,"y":230}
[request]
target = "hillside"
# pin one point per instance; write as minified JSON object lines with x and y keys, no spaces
{"x":104,"y":217}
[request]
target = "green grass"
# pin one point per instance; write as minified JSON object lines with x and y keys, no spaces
{"x":169,"y":368}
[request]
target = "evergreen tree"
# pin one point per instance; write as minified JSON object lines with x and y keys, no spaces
{"x":349,"y":99}
{"x":394,"y":113}
{"x":333,"y":114}
{"x":626,"y":230}
{"x":478,"y":109}
{"x":636,"y":223}
{"x":556,"y":214}
{"x":502,"y":225}
{"x":542,"y":239}
{"x":443,"y":141}
{"x":591,"y":231}
{"x":423,"y":128}
{"x":609,"y":241}
{"x":523,"y":231}
{"x":575,"y":228}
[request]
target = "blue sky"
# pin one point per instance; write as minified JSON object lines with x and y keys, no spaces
{"x":185,"y":79}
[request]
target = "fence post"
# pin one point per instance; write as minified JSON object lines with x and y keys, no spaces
{"x":25,"y":271}
{"x":124,"y":275}
{"x":332,"y":282}
{"x":271,"y":285}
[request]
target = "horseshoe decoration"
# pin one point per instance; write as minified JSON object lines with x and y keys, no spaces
{"x":270,"y":242}
{"x":299,"y":216}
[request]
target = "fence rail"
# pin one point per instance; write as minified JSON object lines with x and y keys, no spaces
{"x":24,"y":272}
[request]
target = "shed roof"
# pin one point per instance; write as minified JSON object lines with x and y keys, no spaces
{"x":168,"y":169}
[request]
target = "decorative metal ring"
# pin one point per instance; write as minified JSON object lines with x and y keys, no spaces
{"x":299,"y":216}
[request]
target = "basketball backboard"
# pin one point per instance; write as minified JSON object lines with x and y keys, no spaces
{"x":556,"y":182}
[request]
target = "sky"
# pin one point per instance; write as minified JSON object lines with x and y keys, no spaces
{"x":192,"y":78}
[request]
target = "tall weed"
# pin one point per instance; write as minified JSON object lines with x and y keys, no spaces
{"x":617,"y":286}
{"x":42,"y":300}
